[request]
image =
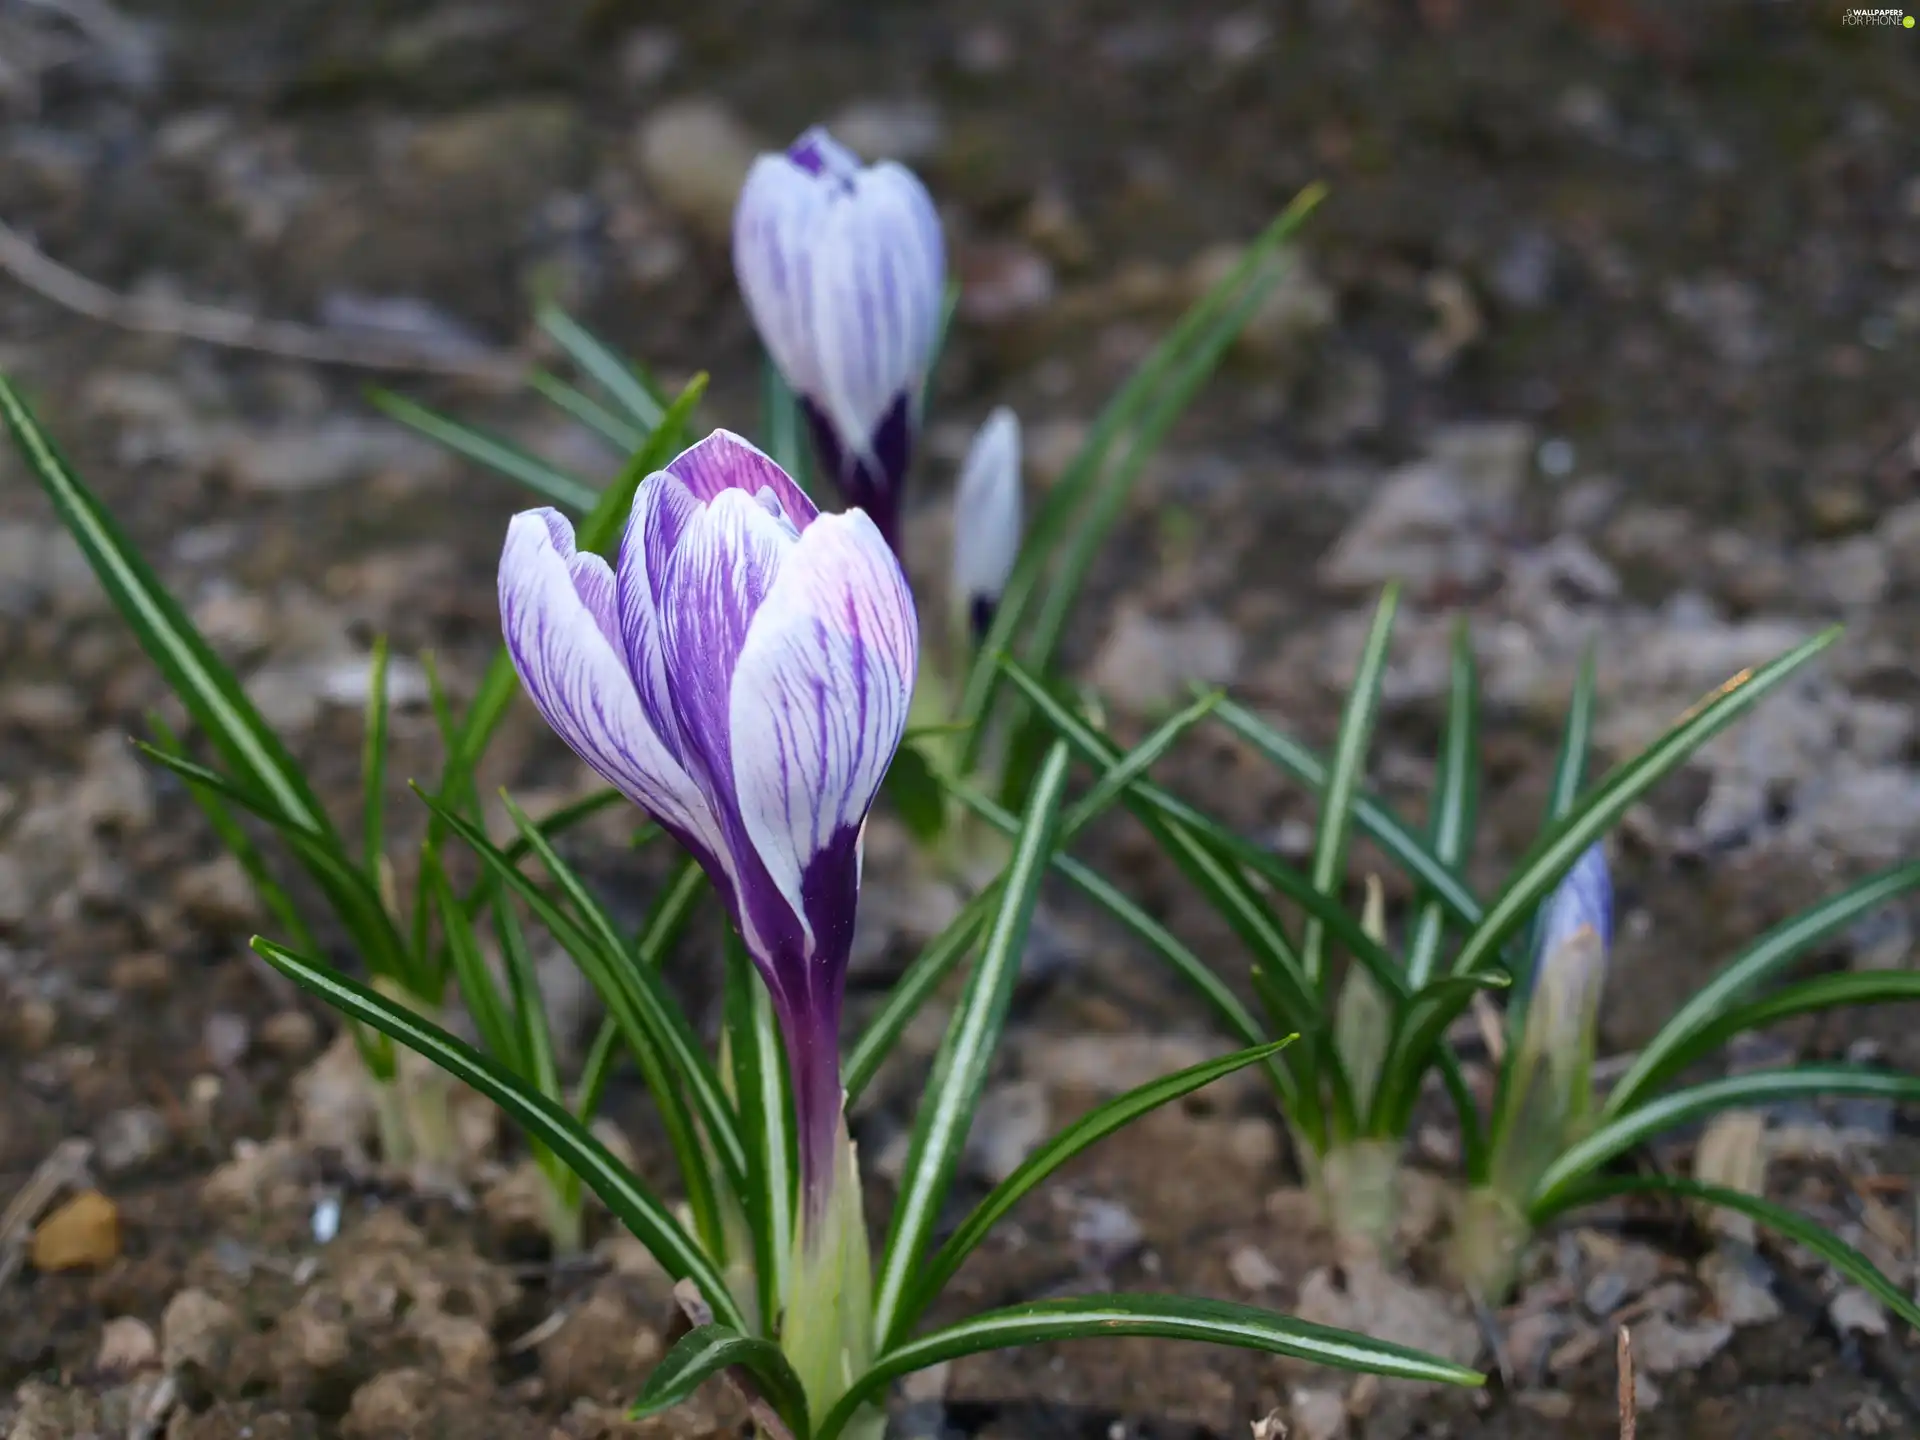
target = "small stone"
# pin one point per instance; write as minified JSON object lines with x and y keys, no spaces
{"x":1663,"y":1346}
{"x":391,"y":1404}
{"x":1857,"y":1311}
{"x":148,"y":972}
{"x":1012,"y":1119}
{"x":1252,"y":1142}
{"x":1002,"y":281}
{"x":1741,"y":1286}
{"x":225,"y":1038}
{"x":127,"y":1344}
{"x":603,"y":1344}
{"x":16,"y":895}
{"x":128,"y":1139}
{"x":461,"y":1343}
{"x":49,"y":1412}
{"x":1105,"y":1231}
{"x":1252,"y":1271}
{"x":1145,"y":664}
{"x":315,"y":1333}
{"x":197,"y":1330}
{"x":695,"y":154}
{"x":219,"y":895}
{"x":1317,"y":1414}
{"x":115,"y":792}
{"x":82,"y":1234}
{"x":905,"y":130}
{"x":290,"y":1034}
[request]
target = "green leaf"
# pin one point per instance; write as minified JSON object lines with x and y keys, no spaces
{"x":1382,"y":826}
{"x":552,"y":483}
{"x":960,"y":1070}
{"x":616,"y":375}
{"x":477,"y":988}
{"x":635,"y":998}
{"x":915,"y":792}
{"x":237,"y":843}
{"x":1146,"y":405}
{"x":565,"y":818}
{"x":204,"y":684}
{"x":1676,"y":1045}
{"x":600,"y":532}
{"x":348,"y":890}
{"x":1555,"y":852}
{"x":649,"y":1221}
{"x":533,"y":1035}
{"x":1090,"y":1128}
{"x":619,"y":433}
{"x":781,"y":425}
{"x":1456,"y":794}
{"x":766,"y":1118}
{"x":1570,"y":765}
{"x":1424,"y":1022}
{"x":1134,"y":765}
{"x":1198,"y":975}
{"x":907,"y":994}
{"x":1749,"y":1091}
{"x":707,"y":1350}
{"x":1343,"y":779}
{"x":373,"y":762}
{"x":1797,"y":1228}
{"x":1162,"y":1317}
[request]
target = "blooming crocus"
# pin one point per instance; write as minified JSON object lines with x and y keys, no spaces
{"x":742,"y":671}
{"x":843,"y":268}
{"x":986,"y":521}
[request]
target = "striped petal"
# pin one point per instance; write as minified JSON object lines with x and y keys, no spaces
{"x":559,"y":613}
{"x":878,"y":273}
{"x":774,"y":225}
{"x":986,"y":519}
{"x":725,"y":461}
{"x":818,"y":708}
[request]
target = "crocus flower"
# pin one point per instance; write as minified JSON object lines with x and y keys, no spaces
{"x":743,"y":672}
{"x":843,"y":268}
{"x":986,"y":521}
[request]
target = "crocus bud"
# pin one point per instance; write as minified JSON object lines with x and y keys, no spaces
{"x":743,"y":672}
{"x":986,"y":521}
{"x":1549,"y":1090}
{"x":844,"y":270}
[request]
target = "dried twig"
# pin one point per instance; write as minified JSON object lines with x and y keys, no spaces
{"x":693,"y":1305}
{"x":64,"y":1168}
{"x":154,"y":315}
{"x":1629,"y":1400}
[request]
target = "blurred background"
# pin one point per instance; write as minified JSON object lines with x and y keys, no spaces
{"x":1606,"y":332}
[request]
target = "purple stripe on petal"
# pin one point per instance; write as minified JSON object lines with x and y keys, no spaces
{"x":819,"y":704}
{"x":824,"y":157}
{"x":774,"y":225}
{"x":662,"y":511}
{"x":579,"y":681}
{"x":724,"y":461}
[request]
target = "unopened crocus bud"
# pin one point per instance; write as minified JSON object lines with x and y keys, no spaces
{"x":986,"y":522}
{"x":844,"y":270}
{"x":1550,"y":1091}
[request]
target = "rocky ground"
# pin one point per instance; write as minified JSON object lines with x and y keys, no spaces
{"x":1605,"y":335}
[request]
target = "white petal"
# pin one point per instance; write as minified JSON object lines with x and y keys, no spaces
{"x":577,"y":678}
{"x":986,"y":512}
{"x":774,"y":224}
{"x":878,"y":277}
{"x":820,"y":696}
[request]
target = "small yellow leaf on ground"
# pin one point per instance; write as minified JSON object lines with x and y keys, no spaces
{"x":83,"y":1232}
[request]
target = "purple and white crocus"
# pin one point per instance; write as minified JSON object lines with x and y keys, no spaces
{"x":844,"y":270}
{"x":743,"y":673}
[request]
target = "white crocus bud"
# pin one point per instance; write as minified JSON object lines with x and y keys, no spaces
{"x":986,"y":521}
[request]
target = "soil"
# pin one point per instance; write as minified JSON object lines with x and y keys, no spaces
{"x":1676,"y":256}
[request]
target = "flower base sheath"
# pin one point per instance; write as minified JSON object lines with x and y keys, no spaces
{"x":743,"y":672}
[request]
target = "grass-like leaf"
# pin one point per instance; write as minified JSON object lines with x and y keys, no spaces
{"x":635,"y":998}
{"x":960,"y":1070}
{"x":1132,"y":767}
{"x":1555,"y":852}
{"x":919,"y":980}
{"x":914,"y":790}
{"x":553,"y":483}
{"x":1797,"y":1228}
{"x":759,"y":1073}
{"x":1162,"y":1317}
{"x":1424,"y":1021}
{"x":1157,"y":383}
{"x":482,"y":996}
{"x":1089,"y":1129}
{"x":373,"y":761}
{"x":197,"y":675}
{"x":1576,"y":739}
{"x":610,"y":370}
{"x":617,"y":432}
{"x":1344,"y":777}
{"x":1382,"y":826}
{"x":1677,"y":1043}
{"x":707,"y":1350}
{"x":782,"y":430}
{"x":1456,"y":795}
{"x":650,"y":1221}
{"x":1664,"y":1112}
